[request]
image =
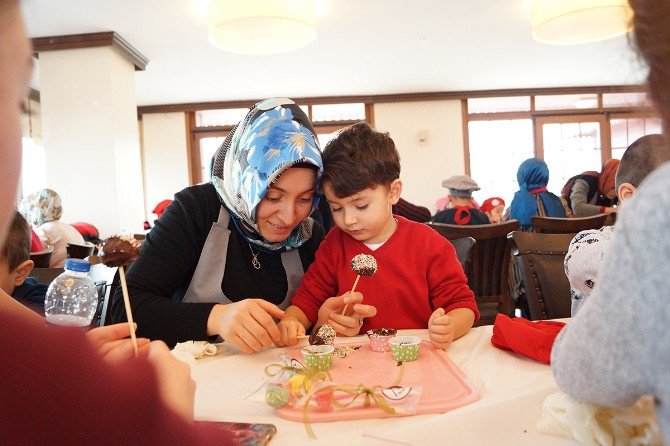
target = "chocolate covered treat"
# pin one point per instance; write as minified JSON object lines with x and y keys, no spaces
{"x":383,"y":332}
{"x":364,"y":264}
{"x":325,"y":335}
{"x":119,"y":250}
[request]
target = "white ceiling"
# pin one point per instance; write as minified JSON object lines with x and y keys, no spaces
{"x":363,"y":47}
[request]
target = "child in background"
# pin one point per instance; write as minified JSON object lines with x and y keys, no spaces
{"x":493,"y":208}
{"x":587,"y":249}
{"x":462,"y":211}
{"x":15,"y":266}
{"x":418,"y":283}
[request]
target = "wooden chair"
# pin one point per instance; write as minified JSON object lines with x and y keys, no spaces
{"x":540,"y":260}
{"x":463,"y":247}
{"x":42,"y":258}
{"x":551,"y":225}
{"x":45,"y":275}
{"x":79,"y":251}
{"x":488,"y":270}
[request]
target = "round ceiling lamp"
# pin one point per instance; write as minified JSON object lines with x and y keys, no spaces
{"x":568,"y":22}
{"x":261,"y":26}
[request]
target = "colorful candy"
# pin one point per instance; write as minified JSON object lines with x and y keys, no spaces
{"x":276,"y":396}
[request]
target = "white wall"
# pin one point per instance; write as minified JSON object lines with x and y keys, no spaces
{"x":165,"y":157}
{"x":423,"y":167}
{"x":90,"y":135}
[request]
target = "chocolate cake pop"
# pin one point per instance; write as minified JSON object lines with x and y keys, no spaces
{"x":325,"y":335}
{"x":119,"y":250}
{"x":364,"y":264}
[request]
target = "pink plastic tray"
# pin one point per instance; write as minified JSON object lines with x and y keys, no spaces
{"x":444,"y":385}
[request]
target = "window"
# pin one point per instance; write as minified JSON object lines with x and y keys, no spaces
{"x":33,"y":167}
{"x":626,"y":130}
{"x":573,"y":130}
{"x":496,"y":150}
{"x":208,"y":129}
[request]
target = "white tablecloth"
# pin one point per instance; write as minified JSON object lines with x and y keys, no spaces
{"x":512,"y":391}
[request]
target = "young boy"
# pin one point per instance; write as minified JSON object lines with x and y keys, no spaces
{"x":15,"y":265}
{"x":462,"y":211}
{"x":418,"y":282}
{"x":587,"y":249}
{"x":493,"y":208}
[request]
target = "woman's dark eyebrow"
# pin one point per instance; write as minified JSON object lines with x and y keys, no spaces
{"x":283,"y":190}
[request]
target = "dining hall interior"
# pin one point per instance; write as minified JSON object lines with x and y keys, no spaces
{"x":519,"y":131}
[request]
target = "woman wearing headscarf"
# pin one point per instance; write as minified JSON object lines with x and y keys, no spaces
{"x":533,"y":198}
{"x":43,"y":211}
{"x":226,"y":256}
{"x":592,"y":193}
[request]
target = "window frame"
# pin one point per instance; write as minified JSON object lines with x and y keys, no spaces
{"x":601,"y":114}
{"x":195,"y":133}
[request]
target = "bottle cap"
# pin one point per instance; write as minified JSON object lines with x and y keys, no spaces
{"x":79,"y":265}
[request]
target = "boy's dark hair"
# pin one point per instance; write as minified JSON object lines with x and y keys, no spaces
{"x":16,"y":249}
{"x":640,"y":159}
{"x":358,"y":158}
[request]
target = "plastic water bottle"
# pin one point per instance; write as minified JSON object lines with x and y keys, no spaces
{"x":72,"y":297}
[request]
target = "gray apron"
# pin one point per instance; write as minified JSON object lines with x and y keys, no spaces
{"x":206,"y":282}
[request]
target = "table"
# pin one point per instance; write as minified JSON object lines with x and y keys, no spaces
{"x":512,"y":391}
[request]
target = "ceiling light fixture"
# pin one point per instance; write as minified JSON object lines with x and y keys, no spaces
{"x":568,"y":22}
{"x":261,"y":26}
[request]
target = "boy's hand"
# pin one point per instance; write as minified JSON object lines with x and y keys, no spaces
{"x":441,"y":329}
{"x":349,"y":324}
{"x":289,"y":329}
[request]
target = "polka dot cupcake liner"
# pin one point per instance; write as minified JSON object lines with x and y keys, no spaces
{"x":319,"y":357}
{"x":405,"y":348}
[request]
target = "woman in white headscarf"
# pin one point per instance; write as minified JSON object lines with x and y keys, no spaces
{"x":43,"y":210}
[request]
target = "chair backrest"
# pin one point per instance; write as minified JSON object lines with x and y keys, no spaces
{"x":488,"y":270}
{"x":105,"y":275}
{"x":551,"y":225}
{"x":45,"y":275}
{"x":42,"y":258}
{"x":463,"y":247}
{"x":79,"y":251}
{"x":543,"y":277}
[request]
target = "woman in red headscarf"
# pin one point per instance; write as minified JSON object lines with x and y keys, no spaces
{"x":592,"y":193}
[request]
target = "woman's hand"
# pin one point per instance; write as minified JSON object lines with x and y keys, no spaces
{"x":247,"y":324}
{"x":112,"y":342}
{"x":350,"y":323}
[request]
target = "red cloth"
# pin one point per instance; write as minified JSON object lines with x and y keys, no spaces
{"x":417,"y":272}
{"x":531,"y":339}
{"x":35,"y":242}
{"x":86,"y":229}
{"x":57,"y":390}
{"x":538,"y":190}
{"x":160,"y":207}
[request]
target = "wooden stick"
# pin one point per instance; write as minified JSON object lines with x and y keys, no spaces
{"x":129,"y":314}
{"x":352,"y":290}
{"x":302,"y":337}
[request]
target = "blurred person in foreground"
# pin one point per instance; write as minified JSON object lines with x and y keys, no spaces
{"x":144,"y":399}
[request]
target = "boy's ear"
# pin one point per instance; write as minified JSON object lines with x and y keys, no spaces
{"x":22,"y":271}
{"x":395,"y":189}
{"x":625,"y":191}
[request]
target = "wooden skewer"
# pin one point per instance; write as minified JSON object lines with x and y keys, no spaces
{"x":352,"y":290}
{"x":129,"y":313}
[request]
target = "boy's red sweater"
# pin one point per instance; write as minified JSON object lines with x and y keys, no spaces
{"x":417,"y":272}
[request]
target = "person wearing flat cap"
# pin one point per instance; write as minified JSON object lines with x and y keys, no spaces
{"x":462,"y":212}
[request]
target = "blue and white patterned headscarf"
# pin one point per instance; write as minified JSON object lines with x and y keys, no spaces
{"x":41,"y":207}
{"x":274,"y":136}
